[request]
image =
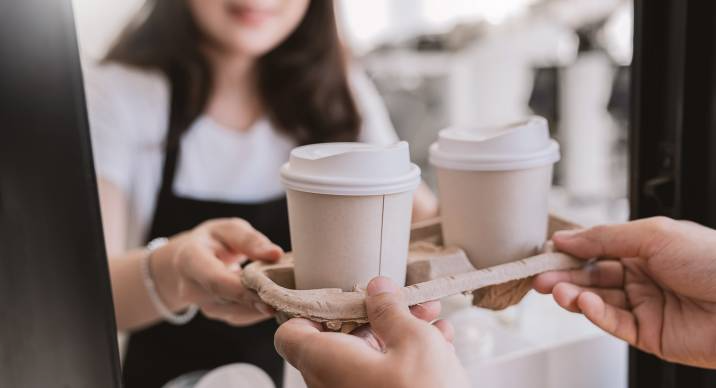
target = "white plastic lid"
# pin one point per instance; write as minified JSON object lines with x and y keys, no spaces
{"x":351,"y":169}
{"x":515,"y":146}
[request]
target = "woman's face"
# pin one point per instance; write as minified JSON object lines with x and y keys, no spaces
{"x":248,"y":27}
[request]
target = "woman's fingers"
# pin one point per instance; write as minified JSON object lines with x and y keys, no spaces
{"x":231,"y":259}
{"x":239,"y":237}
{"x":198,"y":265}
{"x":237,"y":314}
{"x":206,"y":266}
{"x":615,"y":321}
{"x":567,"y":295}
{"x":207,"y":263}
{"x":602,"y":274}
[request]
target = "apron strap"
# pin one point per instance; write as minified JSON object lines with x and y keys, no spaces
{"x":172,"y":142}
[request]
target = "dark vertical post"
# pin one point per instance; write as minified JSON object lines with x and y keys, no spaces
{"x":673,"y":139}
{"x":57,"y":326}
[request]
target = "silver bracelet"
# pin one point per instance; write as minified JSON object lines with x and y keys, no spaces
{"x":148,"y":279}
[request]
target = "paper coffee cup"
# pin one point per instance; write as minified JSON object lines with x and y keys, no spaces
{"x":349,"y":208}
{"x":494,"y":185}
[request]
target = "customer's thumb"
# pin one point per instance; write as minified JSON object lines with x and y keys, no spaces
{"x":388,"y":314}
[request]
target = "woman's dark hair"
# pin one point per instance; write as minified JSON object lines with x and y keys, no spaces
{"x":303,"y":82}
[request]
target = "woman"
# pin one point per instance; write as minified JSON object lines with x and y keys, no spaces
{"x":192,"y":112}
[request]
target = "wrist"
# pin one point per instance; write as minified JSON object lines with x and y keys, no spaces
{"x":165,"y":275}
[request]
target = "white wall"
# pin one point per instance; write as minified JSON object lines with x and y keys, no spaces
{"x":99,"y":22}
{"x":365,"y":22}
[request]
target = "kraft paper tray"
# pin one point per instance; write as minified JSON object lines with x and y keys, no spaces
{"x":433,"y":272}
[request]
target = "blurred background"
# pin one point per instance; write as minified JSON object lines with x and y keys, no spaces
{"x":479,"y":62}
{"x":440,"y":63}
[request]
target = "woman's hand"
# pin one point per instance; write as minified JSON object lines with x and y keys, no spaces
{"x":401,"y":351}
{"x":655,"y":288}
{"x":425,"y":204}
{"x":201,"y":267}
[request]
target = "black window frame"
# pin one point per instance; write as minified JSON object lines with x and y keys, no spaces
{"x":673,"y":140}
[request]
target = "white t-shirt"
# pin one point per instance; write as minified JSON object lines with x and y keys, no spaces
{"x":128,"y":114}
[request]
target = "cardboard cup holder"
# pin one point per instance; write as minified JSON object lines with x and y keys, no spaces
{"x":433,"y":272}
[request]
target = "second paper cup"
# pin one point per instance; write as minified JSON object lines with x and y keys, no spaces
{"x":494,"y":185}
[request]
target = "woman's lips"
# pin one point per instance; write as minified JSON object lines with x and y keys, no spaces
{"x":248,"y":15}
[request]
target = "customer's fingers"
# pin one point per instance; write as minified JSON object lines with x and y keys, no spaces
{"x":602,"y":274}
{"x":239,"y":237}
{"x":387,"y":312}
{"x":367,"y":334}
{"x":634,"y":239}
{"x":428,"y":311}
{"x":445,"y":329}
{"x":615,"y":321}
{"x":315,"y":353}
{"x":567,"y":295}
{"x":291,"y":339}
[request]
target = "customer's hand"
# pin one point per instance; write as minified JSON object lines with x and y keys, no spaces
{"x":655,"y":286}
{"x":409,"y":353}
{"x":201,"y":267}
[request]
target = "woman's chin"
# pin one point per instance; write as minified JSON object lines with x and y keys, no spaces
{"x":248,"y":46}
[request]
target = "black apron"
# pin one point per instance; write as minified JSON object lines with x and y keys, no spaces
{"x":158,"y":354}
